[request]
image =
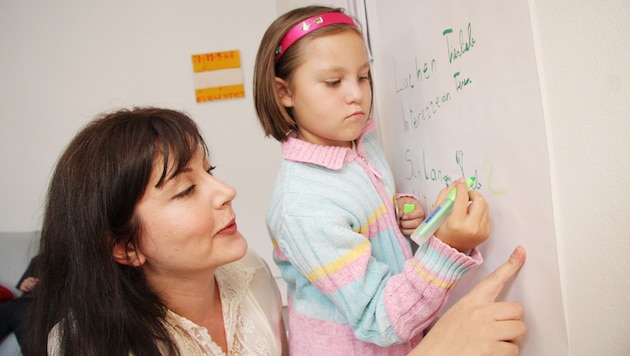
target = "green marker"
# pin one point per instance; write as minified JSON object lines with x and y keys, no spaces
{"x":437,"y":216}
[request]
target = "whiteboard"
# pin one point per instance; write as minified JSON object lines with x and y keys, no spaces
{"x":457,"y":95}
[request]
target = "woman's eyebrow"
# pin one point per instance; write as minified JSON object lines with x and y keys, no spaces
{"x":170,"y":179}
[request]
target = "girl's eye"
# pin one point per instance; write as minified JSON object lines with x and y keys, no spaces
{"x":364,"y":78}
{"x":209,"y":170}
{"x":333,"y":83}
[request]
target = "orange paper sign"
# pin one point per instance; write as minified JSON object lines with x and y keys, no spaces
{"x":218,"y":76}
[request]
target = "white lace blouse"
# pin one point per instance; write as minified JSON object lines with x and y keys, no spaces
{"x":252,"y":311}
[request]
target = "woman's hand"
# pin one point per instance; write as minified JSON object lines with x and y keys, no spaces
{"x":477,"y":324}
{"x":28,"y":284}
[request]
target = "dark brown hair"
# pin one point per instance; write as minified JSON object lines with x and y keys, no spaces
{"x":99,"y":306}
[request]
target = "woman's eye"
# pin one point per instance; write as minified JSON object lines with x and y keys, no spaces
{"x":332,"y":83}
{"x":209,"y":170}
{"x":364,"y":78}
{"x":185,"y":193}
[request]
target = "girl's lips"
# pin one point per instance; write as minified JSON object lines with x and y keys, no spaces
{"x":355,"y":115}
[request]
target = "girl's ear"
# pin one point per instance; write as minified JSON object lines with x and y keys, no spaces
{"x":127,"y":254}
{"x":284,"y":93}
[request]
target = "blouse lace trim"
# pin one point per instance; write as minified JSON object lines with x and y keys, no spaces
{"x":242,"y":334}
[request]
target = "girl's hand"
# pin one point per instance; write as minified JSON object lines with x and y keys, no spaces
{"x":410,"y":221}
{"x":468,"y":224}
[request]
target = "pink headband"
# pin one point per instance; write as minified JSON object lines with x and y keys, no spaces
{"x":309,"y":25}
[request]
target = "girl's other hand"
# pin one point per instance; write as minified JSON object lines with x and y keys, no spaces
{"x":410,"y":221}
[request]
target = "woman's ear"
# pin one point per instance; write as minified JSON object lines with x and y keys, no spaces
{"x":127,"y":254}
{"x":284,"y":92}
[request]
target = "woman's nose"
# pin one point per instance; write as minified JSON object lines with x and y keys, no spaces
{"x":223,"y":192}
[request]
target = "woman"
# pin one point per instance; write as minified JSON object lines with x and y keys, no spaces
{"x":140,"y":249}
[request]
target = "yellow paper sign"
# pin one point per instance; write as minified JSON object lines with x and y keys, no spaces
{"x":218,"y":76}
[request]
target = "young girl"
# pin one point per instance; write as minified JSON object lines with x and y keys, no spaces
{"x":354,"y":285}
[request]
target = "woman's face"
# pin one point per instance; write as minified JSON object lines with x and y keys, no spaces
{"x":187,"y":224}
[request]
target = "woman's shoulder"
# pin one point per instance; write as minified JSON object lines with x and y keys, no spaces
{"x":252,"y":273}
{"x":248,"y":266}
{"x":253,"y":259}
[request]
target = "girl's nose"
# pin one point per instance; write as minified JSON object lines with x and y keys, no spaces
{"x":354,"y":93}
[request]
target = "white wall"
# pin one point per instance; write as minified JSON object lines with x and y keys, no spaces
{"x":583,"y":56}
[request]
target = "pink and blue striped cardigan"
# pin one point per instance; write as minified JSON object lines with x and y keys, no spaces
{"x":354,"y":287}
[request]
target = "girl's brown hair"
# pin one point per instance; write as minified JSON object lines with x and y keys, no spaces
{"x":277,"y":120}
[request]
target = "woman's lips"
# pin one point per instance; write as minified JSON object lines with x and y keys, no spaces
{"x":229,"y":229}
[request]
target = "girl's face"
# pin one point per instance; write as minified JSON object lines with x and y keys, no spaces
{"x":188,"y":225}
{"x":330,"y":90}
